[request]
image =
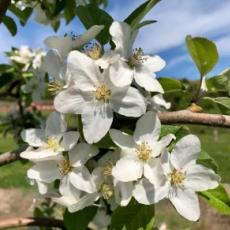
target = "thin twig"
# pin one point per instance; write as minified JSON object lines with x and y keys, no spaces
{"x":31,"y":221}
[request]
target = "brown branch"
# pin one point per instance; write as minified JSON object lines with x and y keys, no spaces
{"x":4,"y":4}
{"x":176,"y":117}
{"x":188,"y":117}
{"x":31,"y":221}
{"x":8,"y":157}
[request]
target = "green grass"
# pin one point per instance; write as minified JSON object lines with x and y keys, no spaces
{"x":217,"y":145}
{"x":12,"y":175}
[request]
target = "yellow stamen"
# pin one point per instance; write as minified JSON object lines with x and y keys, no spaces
{"x":53,"y":143}
{"x":94,"y":52}
{"x":144,"y":151}
{"x":107,"y":191}
{"x":177,"y":177}
{"x":107,"y":170}
{"x":55,"y":87}
{"x":103,"y":93}
{"x":137,"y":57}
{"x":64,"y":167}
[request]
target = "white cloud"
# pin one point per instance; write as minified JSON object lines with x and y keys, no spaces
{"x":178,"y":18}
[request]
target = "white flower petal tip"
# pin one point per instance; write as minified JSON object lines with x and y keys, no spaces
{"x":127,"y":170}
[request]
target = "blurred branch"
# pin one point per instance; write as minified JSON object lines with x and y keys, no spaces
{"x":188,"y":117}
{"x":4,"y":4}
{"x":8,"y":157}
{"x":31,"y":221}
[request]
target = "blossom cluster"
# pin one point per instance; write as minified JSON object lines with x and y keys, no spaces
{"x":101,"y":88}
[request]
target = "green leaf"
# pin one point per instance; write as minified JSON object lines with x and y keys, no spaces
{"x":132,"y":217}
{"x":69,"y":11}
{"x":55,"y":25}
{"x":170,"y":84}
{"x":203,"y":52}
{"x":91,"y":15}
{"x":218,"y":198}
{"x":79,"y":220}
{"x":219,"y":83}
{"x":10,"y":24}
{"x":178,"y":131}
{"x":206,"y":160}
{"x":223,"y":101}
{"x":145,"y":23}
{"x":23,"y":15}
{"x":139,"y":13}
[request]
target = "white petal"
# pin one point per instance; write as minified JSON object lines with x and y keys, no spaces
{"x":110,"y":57}
{"x":145,"y":192}
{"x":82,"y":180}
{"x":148,"y":128}
{"x":165,"y":162}
{"x":147,"y":80}
{"x":159,"y":146}
{"x":69,"y":140}
{"x":52,"y":64}
{"x":127,"y":169}
{"x":185,"y":151}
{"x":40,"y":154}
{"x":83,"y":69}
{"x":124,"y":141}
{"x":120,"y":74}
{"x":68,"y":190}
{"x":157,"y":102}
{"x":123,"y":192}
{"x":85,"y":201}
{"x":200,"y":178}
{"x":186,"y":203}
{"x":154,"y":172}
{"x":62,"y":44}
{"x":34,"y":137}
{"x":121,"y":36}
{"x":96,"y":122}
{"x":130,"y":104}
{"x":45,"y":171}
{"x":81,"y":153}
{"x":55,"y":124}
{"x":42,"y":187}
{"x":110,"y":157}
{"x":69,"y":101}
{"x":154,"y":63}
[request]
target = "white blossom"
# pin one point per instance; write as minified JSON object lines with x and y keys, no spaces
{"x":133,"y":64}
{"x":95,"y":97}
{"x":139,"y":151}
{"x":183,"y":177}
{"x":69,"y":171}
{"x":49,"y":142}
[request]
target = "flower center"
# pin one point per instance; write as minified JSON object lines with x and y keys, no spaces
{"x":94,"y":52}
{"x":137,"y":57}
{"x":64,"y":167}
{"x":143,"y":151}
{"x":176,"y":177}
{"x":53,"y":143}
{"x":54,"y":87}
{"x":103,"y":93}
{"x":107,"y":170}
{"x":107,"y":191}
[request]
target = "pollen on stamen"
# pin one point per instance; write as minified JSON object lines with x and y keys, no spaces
{"x":107,"y":170}
{"x":64,"y":167}
{"x":52,"y":143}
{"x":107,"y":191}
{"x":93,"y":50}
{"x":137,"y":57}
{"x":144,"y":151}
{"x":102,"y":93}
{"x":55,"y":87}
{"x":177,"y":177}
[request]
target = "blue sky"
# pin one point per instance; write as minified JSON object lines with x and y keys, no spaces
{"x":176,"y":19}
